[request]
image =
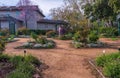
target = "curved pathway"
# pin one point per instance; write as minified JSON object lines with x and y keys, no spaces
{"x":63,"y":61}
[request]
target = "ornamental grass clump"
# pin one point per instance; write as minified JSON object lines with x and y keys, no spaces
{"x":24,"y":67}
{"x":51,"y":34}
{"x":2,"y":44}
{"x":110,"y":64}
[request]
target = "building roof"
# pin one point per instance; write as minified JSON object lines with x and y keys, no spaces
{"x":20,"y":8}
{"x":48,"y":21}
{"x":8,"y":18}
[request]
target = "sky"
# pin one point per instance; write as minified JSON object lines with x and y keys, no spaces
{"x":45,"y":5}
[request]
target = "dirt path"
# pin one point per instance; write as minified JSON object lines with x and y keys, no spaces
{"x":63,"y":61}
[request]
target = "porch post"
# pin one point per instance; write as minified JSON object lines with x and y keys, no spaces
{"x":56,"y":27}
{"x":0,"y":25}
{"x":119,"y":26}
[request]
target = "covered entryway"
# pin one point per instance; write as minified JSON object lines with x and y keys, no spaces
{"x":10,"y":23}
{"x":12,"y":27}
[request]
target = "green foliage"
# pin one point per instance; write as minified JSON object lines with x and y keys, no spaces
{"x":24,"y":66}
{"x":112,"y":69}
{"x":77,"y":36}
{"x":110,"y":64}
{"x":96,"y":11}
{"x":2,"y":45}
{"x":4,"y":32}
{"x":32,"y":60}
{"x":114,"y":39}
{"x":93,"y":37}
{"x":108,"y":31}
{"x":69,"y":36}
{"x":81,"y":35}
{"x":78,"y":44}
{"x":66,"y":36}
{"x":70,"y":12}
{"x":4,"y":58}
{"x":24,"y":70}
{"x":22,"y":31}
{"x":104,"y":59}
{"x":41,"y":40}
{"x":115,"y":4}
{"x":16,"y":60}
{"x":38,"y":32}
{"x":50,"y":34}
{"x":18,"y":74}
{"x":11,"y":37}
{"x":34,"y":36}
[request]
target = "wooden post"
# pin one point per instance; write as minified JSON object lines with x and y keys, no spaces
{"x":119,"y":26}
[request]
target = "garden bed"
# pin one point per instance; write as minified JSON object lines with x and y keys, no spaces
{"x":108,"y":65}
{"x":89,"y":45}
{"x":95,"y":70}
{"x":34,"y":45}
{"x":19,"y":66}
{"x":14,"y":40}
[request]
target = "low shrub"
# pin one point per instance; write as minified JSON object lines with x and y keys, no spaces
{"x":4,"y":32}
{"x":38,"y":42}
{"x":34,"y":36}
{"x":37,"y":45}
{"x":24,"y":67}
{"x":112,"y":69}
{"x":66,"y":36}
{"x":32,"y":60}
{"x":24,"y":70}
{"x":11,"y":37}
{"x":93,"y":37}
{"x":104,"y":59}
{"x":2,"y":45}
{"x":51,"y":34}
{"x":38,"y":32}
{"x":4,"y":58}
{"x":18,"y":74}
{"x":78,"y":44}
{"x":69,"y":35}
{"x":22,"y":31}
{"x":108,"y":31}
{"x":77,"y":36}
{"x":110,"y":64}
{"x":41,"y":40}
{"x":16,"y":60}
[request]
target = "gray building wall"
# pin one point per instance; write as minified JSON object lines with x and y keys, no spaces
{"x":46,"y":26}
{"x":4,"y":25}
{"x":32,"y":18}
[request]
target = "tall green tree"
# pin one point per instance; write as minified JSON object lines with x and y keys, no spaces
{"x":115,"y":4}
{"x":101,"y":10}
{"x":70,"y":12}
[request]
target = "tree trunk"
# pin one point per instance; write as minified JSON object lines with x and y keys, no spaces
{"x":112,"y":23}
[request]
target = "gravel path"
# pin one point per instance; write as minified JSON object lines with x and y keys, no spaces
{"x":63,"y":61}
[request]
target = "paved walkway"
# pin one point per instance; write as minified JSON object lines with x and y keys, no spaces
{"x":64,"y":61}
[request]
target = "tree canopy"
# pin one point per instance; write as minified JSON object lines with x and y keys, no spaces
{"x":102,"y":9}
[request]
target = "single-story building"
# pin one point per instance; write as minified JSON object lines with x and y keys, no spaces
{"x":31,"y":17}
